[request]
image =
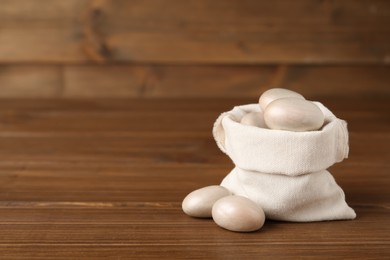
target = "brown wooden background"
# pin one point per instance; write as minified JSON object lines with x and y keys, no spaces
{"x":193,"y":48}
{"x":86,"y":175}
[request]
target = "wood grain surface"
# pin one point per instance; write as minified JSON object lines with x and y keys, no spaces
{"x":195,"y":31}
{"x":191,"y":81}
{"x":193,"y":49}
{"x":105,"y":179}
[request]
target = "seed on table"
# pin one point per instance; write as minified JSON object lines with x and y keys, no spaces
{"x":199,"y":203}
{"x":237,"y":213}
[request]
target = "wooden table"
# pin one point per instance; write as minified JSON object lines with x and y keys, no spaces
{"x":105,"y":178}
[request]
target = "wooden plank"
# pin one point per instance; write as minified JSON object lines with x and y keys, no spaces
{"x":247,"y":31}
{"x":165,"y":81}
{"x":130,"y":151}
{"x":136,"y":213}
{"x":91,"y":185}
{"x":145,"y":149}
{"x":199,"y":251}
{"x":44,"y":31}
{"x":71,"y":192}
{"x":228,"y":32}
{"x":59,"y":135}
{"x":104,"y":185}
{"x":144,"y":232}
{"x":139,"y":230}
{"x":129,"y":118}
{"x":191,"y":81}
{"x":224,"y":81}
{"x":148,"y":234}
{"x":28,"y":81}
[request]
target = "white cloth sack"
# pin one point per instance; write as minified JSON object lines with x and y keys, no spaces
{"x":284,"y":172}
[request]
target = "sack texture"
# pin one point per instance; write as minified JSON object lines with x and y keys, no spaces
{"x":284,"y":172}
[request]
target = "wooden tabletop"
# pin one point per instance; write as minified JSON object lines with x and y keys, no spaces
{"x":105,"y":179}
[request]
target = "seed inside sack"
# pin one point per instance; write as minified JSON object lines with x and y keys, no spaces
{"x":293,"y":114}
{"x":254,"y":119}
{"x":275,"y":93}
{"x":284,"y":109}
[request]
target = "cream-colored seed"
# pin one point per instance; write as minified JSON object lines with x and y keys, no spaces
{"x":236,"y":213}
{"x":254,"y":119}
{"x":275,"y":93}
{"x":199,"y":203}
{"x":293,"y":114}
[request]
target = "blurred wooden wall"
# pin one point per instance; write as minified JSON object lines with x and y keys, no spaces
{"x":193,"y":48}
